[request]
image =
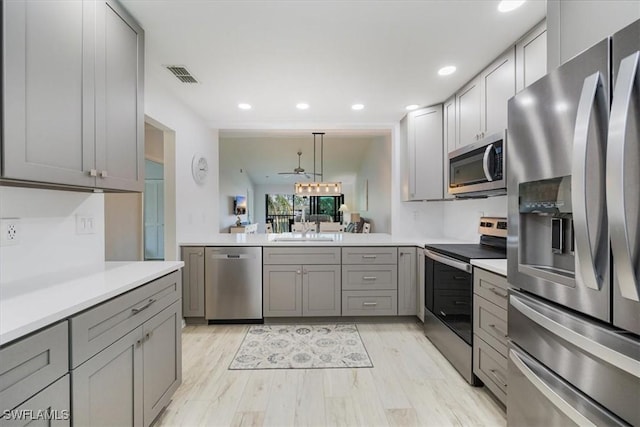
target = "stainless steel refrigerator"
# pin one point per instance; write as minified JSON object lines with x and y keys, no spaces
{"x":573,"y":245}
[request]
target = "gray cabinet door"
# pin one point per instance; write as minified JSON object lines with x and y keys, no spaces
{"x":108,"y":388}
{"x":193,"y":282}
{"x":119,"y":99}
{"x":531,"y":57}
{"x":282,"y":291}
{"x":407,"y":289}
{"x":321,"y":290}
{"x":426,"y":134}
{"x":162,"y":360}
{"x":53,"y":400}
{"x":48,"y":91}
{"x":469,"y":116}
{"x":498,"y":85}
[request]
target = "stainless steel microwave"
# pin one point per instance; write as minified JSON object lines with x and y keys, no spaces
{"x":479,"y":169}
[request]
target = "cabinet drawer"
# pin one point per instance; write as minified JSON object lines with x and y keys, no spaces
{"x":369,"y":255}
{"x":491,"y":367}
{"x":301,"y":255}
{"x":367,"y":277}
{"x":453,"y":304}
{"x":369,"y":303}
{"x":491,"y":286}
{"x":104,"y":324}
{"x":29,"y":365}
{"x":55,"y":399}
{"x":490,"y":323}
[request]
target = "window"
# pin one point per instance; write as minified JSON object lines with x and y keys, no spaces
{"x":283,"y":210}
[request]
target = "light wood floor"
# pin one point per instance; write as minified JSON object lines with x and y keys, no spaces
{"x":411,"y":384}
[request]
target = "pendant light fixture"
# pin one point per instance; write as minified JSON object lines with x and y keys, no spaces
{"x":320,"y":188}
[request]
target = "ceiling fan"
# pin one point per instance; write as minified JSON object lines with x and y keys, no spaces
{"x":299,"y":170}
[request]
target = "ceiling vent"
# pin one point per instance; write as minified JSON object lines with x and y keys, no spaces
{"x":182,"y":73}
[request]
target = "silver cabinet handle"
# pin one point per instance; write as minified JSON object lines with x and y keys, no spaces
{"x":448,"y":261}
{"x":369,"y":278}
{"x":485,"y":163}
{"x":93,"y":172}
{"x":369,"y":304}
{"x":103,"y":174}
{"x":305,"y":271}
{"x":498,"y":377}
{"x":199,"y":253}
{"x":298,"y":272}
{"x":615,"y":358}
{"x":138,"y":343}
{"x":137,"y":310}
{"x":588,"y":201}
{"x":443,"y":313}
{"x":548,"y":392}
{"x":500,"y":294}
{"x":498,"y":330}
{"x":148,"y":335}
{"x":369,"y":256}
{"x":622,"y":246}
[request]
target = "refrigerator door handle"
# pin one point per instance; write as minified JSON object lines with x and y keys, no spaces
{"x":611,"y":356}
{"x":590,"y":213}
{"x":626,"y":252}
{"x":548,"y":392}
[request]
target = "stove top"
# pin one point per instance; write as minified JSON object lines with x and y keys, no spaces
{"x":467,"y":252}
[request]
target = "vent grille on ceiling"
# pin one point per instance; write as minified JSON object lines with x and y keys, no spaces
{"x":182,"y":73}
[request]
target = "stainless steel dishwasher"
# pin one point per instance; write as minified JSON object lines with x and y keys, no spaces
{"x":233,"y":283}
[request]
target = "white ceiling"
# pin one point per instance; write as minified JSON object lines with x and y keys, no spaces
{"x":330,"y":54}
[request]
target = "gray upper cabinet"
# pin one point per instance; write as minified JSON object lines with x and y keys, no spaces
{"x":119,"y":99}
{"x":72,"y":95}
{"x":449,"y":140}
{"x":468,"y":114}
{"x":531,"y":57}
{"x":193,"y":282}
{"x":424,"y":137}
{"x":482,"y":103}
{"x":407,"y":283}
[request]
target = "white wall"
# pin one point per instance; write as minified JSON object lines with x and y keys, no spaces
{"x":48,"y":240}
{"x":233,"y":182}
{"x":375,"y":171}
{"x":197,"y":206}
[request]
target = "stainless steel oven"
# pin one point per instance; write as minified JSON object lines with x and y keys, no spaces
{"x":479,"y":169}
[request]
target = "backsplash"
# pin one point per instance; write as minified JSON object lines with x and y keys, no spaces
{"x":48,"y":240}
{"x":461,"y":217}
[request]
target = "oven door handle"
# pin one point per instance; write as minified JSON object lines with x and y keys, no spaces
{"x":448,"y":261}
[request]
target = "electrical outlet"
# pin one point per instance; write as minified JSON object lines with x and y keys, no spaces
{"x":9,"y":231}
{"x":85,"y":224}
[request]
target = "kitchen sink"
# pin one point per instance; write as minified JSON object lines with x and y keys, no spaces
{"x":304,"y":239}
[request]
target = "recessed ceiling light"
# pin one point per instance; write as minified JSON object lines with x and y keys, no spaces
{"x":445,"y":71}
{"x":412,"y":107}
{"x":509,"y":5}
{"x":357,"y":106}
{"x":244,"y":106}
{"x":302,"y":106}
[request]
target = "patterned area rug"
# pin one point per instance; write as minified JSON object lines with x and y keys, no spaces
{"x":302,"y":347}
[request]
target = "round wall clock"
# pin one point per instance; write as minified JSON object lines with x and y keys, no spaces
{"x":199,"y":168}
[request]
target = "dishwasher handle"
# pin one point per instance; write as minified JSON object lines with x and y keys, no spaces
{"x":232,"y":256}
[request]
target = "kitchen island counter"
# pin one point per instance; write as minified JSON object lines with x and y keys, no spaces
{"x":30,"y":304}
{"x":316,"y":239}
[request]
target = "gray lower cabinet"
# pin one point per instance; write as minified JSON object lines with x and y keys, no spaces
{"x":30,"y":377}
{"x":407,"y":281}
{"x":490,"y":344}
{"x":108,"y":388}
{"x":50,"y":407}
{"x":72,"y":94}
{"x":301,"y":290}
{"x":126,"y":356}
{"x":129,"y":382}
{"x":193,"y":281}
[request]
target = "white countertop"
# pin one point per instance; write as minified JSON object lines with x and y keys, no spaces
{"x":498,"y":266}
{"x":316,"y":239}
{"x":30,"y":304}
